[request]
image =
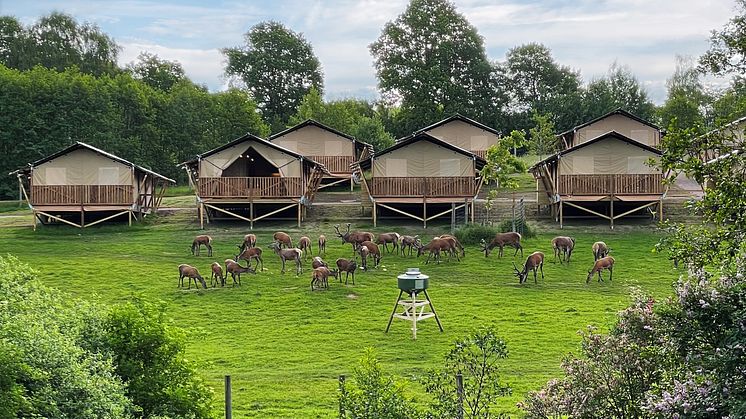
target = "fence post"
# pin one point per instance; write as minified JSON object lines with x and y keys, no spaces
{"x":341,"y":390}
{"x":228,"y":401}
{"x":460,"y":393}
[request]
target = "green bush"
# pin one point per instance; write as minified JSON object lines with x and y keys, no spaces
{"x":507,"y":225}
{"x":472,"y":234}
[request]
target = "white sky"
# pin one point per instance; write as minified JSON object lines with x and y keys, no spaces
{"x":586,"y":35}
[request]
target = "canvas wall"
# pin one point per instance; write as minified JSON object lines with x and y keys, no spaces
{"x":607,"y":156}
{"x":464,"y":135}
{"x":423,"y":159}
{"x":314,"y":141}
{"x":213,"y":165}
{"x":621,"y":124}
{"x":82,"y":167}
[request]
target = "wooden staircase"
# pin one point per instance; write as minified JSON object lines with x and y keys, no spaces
{"x":313,"y":183}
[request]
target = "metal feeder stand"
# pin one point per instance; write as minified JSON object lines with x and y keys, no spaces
{"x":412,"y":283}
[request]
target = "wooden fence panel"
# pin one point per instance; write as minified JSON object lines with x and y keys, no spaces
{"x":81,"y":194}
{"x":335,"y":164}
{"x":423,"y":186}
{"x":632,"y":184}
{"x":250,"y":187}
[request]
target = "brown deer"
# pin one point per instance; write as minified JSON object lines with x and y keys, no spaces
{"x":217,"y":275}
{"x":354,"y":238}
{"x":374,"y":251}
{"x":455,"y":241}
{"x":601,"y":264}
{"x":304,"y":244}
{"x":199,"y":241}
{"x":317,"y":262}
{"x":454,"y":246}
{"x":563,"y":247}
{"x":534,"y":262}
{"x":283,"y":238}
{"x":348,"y":266}
{"x":232,"y":267}
{"x":322,"y":244}
{"x":249,"y":240}
{"x":190,"y":272}
{"x":435,"y":247}
{"x":251,"y":253}
{"x":408,"y":242}
{"x":600,"y":250}
{"x":288,"y":254}
{"x":501,"y":240}
{"x":386,"y":238}
{"x":320,"y":277}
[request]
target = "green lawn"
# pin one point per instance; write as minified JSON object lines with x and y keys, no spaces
{"x":285,"y":345}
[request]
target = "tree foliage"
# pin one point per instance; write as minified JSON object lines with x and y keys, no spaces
{"x":431,"y":61}
{"x":543,"y":139}
{"x":619,"y":88}
{"x":727,"y":53}
{"x":156,"y":72}
{"x":278,"y":67}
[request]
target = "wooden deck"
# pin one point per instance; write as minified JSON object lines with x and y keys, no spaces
{"x":250,"y":187}
{"x":642,"y":184}
{"x":81,"y":195}
{"x":335,"y":164}
{"x":423,"y":186}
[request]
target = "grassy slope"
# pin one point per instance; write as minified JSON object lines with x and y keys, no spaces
{"x":285,"y":345}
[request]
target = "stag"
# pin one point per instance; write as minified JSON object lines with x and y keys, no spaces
{"x":348,"y":266}
{"x":217,"y":275}
{"x":304,"y":244}
{"x":600,"y":250}
{"x":187,"y":271}
{"x":354,"y":238}
{"x":283,"y":238}
{"x":435,"y":247}
{"x":250,"y":253}
{"x":386,"y":238}
{"x":408,"y":242}
{"x":534,"y":262}
{"x":601,"y":264}
{"x":501,"y":240}
{"x":563,"y":247}
{"x":235,"y":269}
{"x":322,"y":244}
{"x":199,"y":241}
{"x":320,"y":277}
{"x":249,"y":240}
{"x":288,"y":254}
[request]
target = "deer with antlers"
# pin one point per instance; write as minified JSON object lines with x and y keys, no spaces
{"x":354,"y":238}
{"x":563,"y":247}
{"x":601,"y":264}
{"x":501,"y":240}
{"x":199,"y":241}
{"x":534,"y":262}
{"x":288,"y":254}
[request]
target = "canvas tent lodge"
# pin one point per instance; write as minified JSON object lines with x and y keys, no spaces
{"x":423,"y":177}
{"x":335,"y":150}
{"x":464,"y":133}
{"x":251,"y":179}
{"x":83,"y":186}
{"x":607,"y":176}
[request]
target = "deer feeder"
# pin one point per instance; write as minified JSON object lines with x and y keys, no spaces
{"x":412,"y":283}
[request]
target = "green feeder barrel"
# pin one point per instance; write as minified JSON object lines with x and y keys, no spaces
{"x":413,"y":281}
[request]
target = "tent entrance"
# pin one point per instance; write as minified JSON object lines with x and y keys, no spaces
{"x":251,"y":164}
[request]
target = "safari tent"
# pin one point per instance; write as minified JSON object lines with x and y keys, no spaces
{"x":619,"y":121}
{"x":423,"y":177}
{"x":607,"y":176}
{"x":251,"y":179}
{"x":83,"y":186}
{"x":464,"y":133}
{"x":335,"y":150}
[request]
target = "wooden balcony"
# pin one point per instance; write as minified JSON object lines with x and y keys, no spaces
{"x":250,"y":187}
{"x":423,"y":186}
{"x":81,"y":195}
{"x":642,"y":184}
{"x":335,"y":164}
{"x":480,"y":153}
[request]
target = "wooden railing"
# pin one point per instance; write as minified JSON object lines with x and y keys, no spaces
{"x":642,"y":184}
{"x":480,"y":153}
{"x":335,"y":164}
{"x":422,"y":186}
{"x":81,"y":194}
{"x":248,"y":187}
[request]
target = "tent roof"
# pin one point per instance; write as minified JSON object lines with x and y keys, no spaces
{"x":610,"y":134}
{"x":311,"y":122}
{"x":81,"y":145}
{"x":423,"y":136}
{"x":246,"y":137}
{"x":459,"y":117}
{"x":618,"y":111}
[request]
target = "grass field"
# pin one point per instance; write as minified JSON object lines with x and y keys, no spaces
{"x":285,"y":345}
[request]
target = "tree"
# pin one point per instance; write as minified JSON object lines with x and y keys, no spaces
{"x":14,"y":42}
{"x":727,"y":53}
{"x":619,"y":88}
{"x":543,"y":140}
{"x":278,"y":67}
{"x":155,"y":72}
{"x":432,"y":62}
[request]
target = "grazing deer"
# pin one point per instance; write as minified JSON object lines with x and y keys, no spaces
{"x":217,"y":275}
{"x":304,"y":244}
{"x":454,"y":240}
{"x":348,"y":266}
{"x":408,"y":242}
{"x":600,"y":250}
{"x":601,"y":264}
{"x":199,"y":241}
{"x":354,"y":238}
{"x":501,"y":240}
{"x":386,"y":238}
{"x":454,"y":246}
{"x":288,"y":254}
{"x":364,"y":252}
{"x":187,"y":271}
{"x":322,"y":244}
{"x":317,"y":262}
{"x":250,"y":253}
{"x":534,"y":262}
{"x":249,"y":240}
{"x":320,"y":277}
{"x":435,"y":247}
{"x":563,"y":247}
{"x":283,"y":238}
{"x":374,"y":251}
{"x":232,"y":267}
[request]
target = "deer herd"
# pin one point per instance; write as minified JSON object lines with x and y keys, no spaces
{"x":367,"y":248}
